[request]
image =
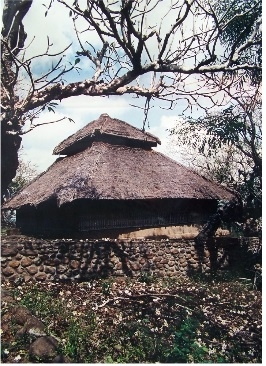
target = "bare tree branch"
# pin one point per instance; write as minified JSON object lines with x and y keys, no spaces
{"x":178,"y":44}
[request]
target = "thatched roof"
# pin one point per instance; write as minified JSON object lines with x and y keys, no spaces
{"x":108,"y":171}
{"x":106,"y":129}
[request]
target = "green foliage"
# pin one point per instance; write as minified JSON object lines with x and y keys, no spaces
{"x":42,"y":304}
{"x":185,"y":349}
{"x":239,"y":27}
{"x":26,"y":172}
{"x":106,"y":286}
{"x":230,"y":127}
{"x":238,"y":21}
{"x":133,"y":342}
{"x":147,"y":277}
{"x":50,"y":106}
{"x":227,"y":148}
{"x":77,"y":341}
{"x":223,"y":128}
{"x":76,"y":338}
{"x":228,"y":144}
{"x":241,"y":132}
{"x":138,"y":342}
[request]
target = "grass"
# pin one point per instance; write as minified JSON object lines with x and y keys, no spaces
{"x":143,"y":320}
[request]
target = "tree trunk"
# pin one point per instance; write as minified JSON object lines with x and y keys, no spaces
{"x":10,"y":145}
{"x":14,"y":36}
{"x":228,"y":213}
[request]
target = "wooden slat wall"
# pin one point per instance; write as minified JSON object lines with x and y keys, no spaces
{"x":87,"y":223}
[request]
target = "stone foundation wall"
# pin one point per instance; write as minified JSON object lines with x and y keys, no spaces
{"x":63,"y":259}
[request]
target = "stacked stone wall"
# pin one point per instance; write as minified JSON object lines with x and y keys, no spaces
{"x":65,"y":259}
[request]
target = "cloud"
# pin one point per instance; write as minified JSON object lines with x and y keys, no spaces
{"x":168,"y":145}
{"x":57,"y":25}
{"x":40,"y":142}
{"x":84,"y":106}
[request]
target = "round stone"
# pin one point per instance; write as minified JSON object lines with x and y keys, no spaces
{"x":61,"y":269}
{"x":25,"y":262}
{"x":43,"y":348}
{"x":32,"y":270}
{"x":8,"y":252}
{"x":74,"y":264}
{"x":41,"y":276}
{"x":8,"y":271}
{"x":50,"y":270}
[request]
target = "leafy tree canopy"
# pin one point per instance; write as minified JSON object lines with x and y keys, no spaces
{"x":227,"y":147}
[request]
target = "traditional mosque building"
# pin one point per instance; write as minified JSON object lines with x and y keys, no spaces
{"x":109,"y":179}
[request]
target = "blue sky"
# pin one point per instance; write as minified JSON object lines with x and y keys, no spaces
{"x":39,"y":143}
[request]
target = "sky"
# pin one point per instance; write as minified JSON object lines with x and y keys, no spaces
{"x":40,"y":142}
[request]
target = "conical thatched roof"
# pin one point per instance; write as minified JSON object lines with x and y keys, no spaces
{"x":111,"y":171}
{"x":105,"y":129}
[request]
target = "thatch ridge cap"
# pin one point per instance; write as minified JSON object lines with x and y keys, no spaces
{"x":90,"y":129}
{"x":137,"y":129}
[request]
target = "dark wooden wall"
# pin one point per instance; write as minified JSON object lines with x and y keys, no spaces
{"x":90,"y":215}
